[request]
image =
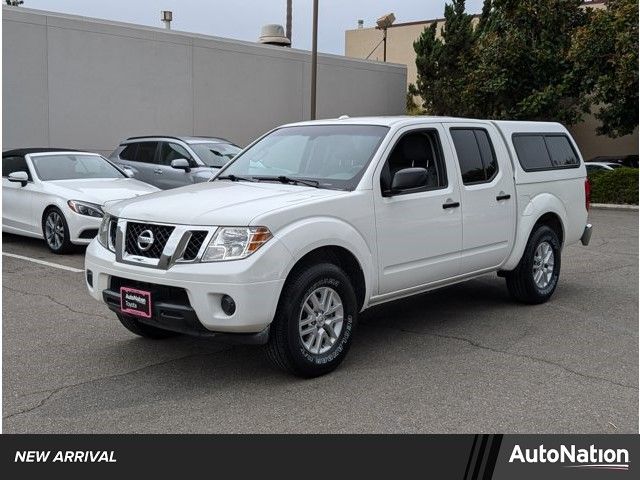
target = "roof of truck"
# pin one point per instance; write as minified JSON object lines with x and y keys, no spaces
{"x":402,"y":120}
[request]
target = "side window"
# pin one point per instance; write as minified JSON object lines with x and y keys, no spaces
{"x":14,"y":164}
{"x":544,"y":151}
{"x":416,"y":149}
{"x":532,"y":152}
{"x":146,"y":152}
{"x":172,"y":151}
{"x":561,"y":151}
{"x":129,"y":152}
{"x":475,"y":153}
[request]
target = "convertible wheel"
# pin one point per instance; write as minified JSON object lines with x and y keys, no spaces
{"x":56,"y":231}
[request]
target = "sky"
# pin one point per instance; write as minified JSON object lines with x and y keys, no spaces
{"x":243,"y":19}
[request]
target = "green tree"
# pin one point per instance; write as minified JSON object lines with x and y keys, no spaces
{"x":605,"y":52}
{"x":514,"y":64}
{"x":443,"y":62}
{"x":523,"y":70}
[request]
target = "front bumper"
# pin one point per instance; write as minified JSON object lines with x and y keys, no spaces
{"x":254,"y":284}
{"x":586,"y":234}
{"x":82,"y":228}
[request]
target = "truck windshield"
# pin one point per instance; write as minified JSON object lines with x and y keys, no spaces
{"x":333,"y":156}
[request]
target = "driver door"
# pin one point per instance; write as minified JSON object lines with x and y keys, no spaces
{"x":419,"y":232}
{"x":17,"y":200}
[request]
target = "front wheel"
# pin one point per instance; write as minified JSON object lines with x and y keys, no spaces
{"x":315,"y":321}
{"x":536,"y":277}
{"x":56,"y":231}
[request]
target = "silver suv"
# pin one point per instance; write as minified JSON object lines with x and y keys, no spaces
{"x":169,"y":162}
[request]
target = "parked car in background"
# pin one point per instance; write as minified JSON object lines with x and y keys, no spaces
{"x":316,"y":221}
{"x":58,"y":194}
{"x":630,"y":161}
{"x":169,"y":162}
{"x":601,"y":166}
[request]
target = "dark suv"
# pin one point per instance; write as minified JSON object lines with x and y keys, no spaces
{"x":169,"y":162}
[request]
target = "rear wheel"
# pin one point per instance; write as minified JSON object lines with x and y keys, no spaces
{"x":144,"y":330}
{"x":56,"y":231}
{"x":315,"y":321}
{"x":535,"y":278}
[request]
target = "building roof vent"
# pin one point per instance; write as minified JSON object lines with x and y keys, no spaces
{"x":273,"y":34}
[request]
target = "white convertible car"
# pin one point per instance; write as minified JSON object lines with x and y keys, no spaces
{"x":58,"y":194}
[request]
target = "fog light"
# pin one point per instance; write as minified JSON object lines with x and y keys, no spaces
{"x":228,"y":305}
{"x":90,"y":278}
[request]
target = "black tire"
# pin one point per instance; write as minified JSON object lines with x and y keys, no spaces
{"x":521,"y":283}
{"x":144,"y":330}
{"x":56,"y":246}
{"x":286,"y":349}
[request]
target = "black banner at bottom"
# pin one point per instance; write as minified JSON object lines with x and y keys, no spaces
{"x":464,"y":457}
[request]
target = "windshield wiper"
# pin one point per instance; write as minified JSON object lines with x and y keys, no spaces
{"x":295,"y":181}
{"x":234,"y":178}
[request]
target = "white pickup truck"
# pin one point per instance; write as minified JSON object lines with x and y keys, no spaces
{"x":316,"y":221}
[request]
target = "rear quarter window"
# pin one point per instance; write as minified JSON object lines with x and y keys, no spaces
{"x":544,"y":151}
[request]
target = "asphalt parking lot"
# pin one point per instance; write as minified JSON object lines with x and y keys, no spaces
{"x":461,"y":359}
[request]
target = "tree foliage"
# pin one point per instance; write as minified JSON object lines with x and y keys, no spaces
{"x":605,"y":53}
{"x":535,"y":60}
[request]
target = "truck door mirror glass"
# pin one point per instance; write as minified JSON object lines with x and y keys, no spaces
{"x":20,"y":177}
{"x":408,"y":179}
{"x":181,"y":164}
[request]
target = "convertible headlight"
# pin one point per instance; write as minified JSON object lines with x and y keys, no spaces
{"x":105,"y":235}
{"x":234,"y":243}
{"x":86,"y":208}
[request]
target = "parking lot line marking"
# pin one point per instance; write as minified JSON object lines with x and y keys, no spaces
{"x":43,"y":262}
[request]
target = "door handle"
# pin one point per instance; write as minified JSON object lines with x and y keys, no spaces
{"x":503,"y":197}
{"x":158,"y":171}
{"x":451,"y":205}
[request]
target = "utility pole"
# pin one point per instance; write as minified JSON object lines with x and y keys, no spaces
{"x":314,"y":60}
{"x":289,"y":15}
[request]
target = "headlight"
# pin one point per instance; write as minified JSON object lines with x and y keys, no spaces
{"x":104,"y":232}
{"x":234,"y":243}
{"x":86,"y":208}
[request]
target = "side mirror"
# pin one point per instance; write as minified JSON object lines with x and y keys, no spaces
{"x":408,"y":179}
{"x":181,"y":164}
{"x":128,"y":172}
{"x":20,"y":177}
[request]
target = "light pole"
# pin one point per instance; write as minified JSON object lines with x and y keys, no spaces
{"x":314,"y":60}
{"x":289,"y":15}
{"x":383,"y":23}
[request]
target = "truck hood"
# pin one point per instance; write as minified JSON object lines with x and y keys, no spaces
{"x":216,"y":203}
{"x":100,"y":190}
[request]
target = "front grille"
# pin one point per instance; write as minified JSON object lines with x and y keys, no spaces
{"x":161,"y":234}
{"x":195,"y":242}
{"x":161,"y":293}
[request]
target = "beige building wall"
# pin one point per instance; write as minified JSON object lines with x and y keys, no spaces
{"x":361,"y":42}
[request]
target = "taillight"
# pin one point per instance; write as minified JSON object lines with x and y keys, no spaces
{"x":587,"y":193}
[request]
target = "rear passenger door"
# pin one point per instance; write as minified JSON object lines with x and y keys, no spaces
{"x":167,"y":176}
{"x":145,"y":162}
{"x":488,"y":201}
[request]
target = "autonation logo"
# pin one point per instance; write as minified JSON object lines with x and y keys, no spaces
{"x":573,"y":457}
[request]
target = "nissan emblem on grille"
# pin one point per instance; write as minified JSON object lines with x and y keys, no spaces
{"x":145,"y":240}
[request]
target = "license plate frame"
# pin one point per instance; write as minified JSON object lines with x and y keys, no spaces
{"x":136,"y":302}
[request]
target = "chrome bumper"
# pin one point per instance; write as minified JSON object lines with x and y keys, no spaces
{"x":586,"y":235}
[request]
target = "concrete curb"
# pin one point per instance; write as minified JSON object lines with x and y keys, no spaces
{"x":614,"y":206}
